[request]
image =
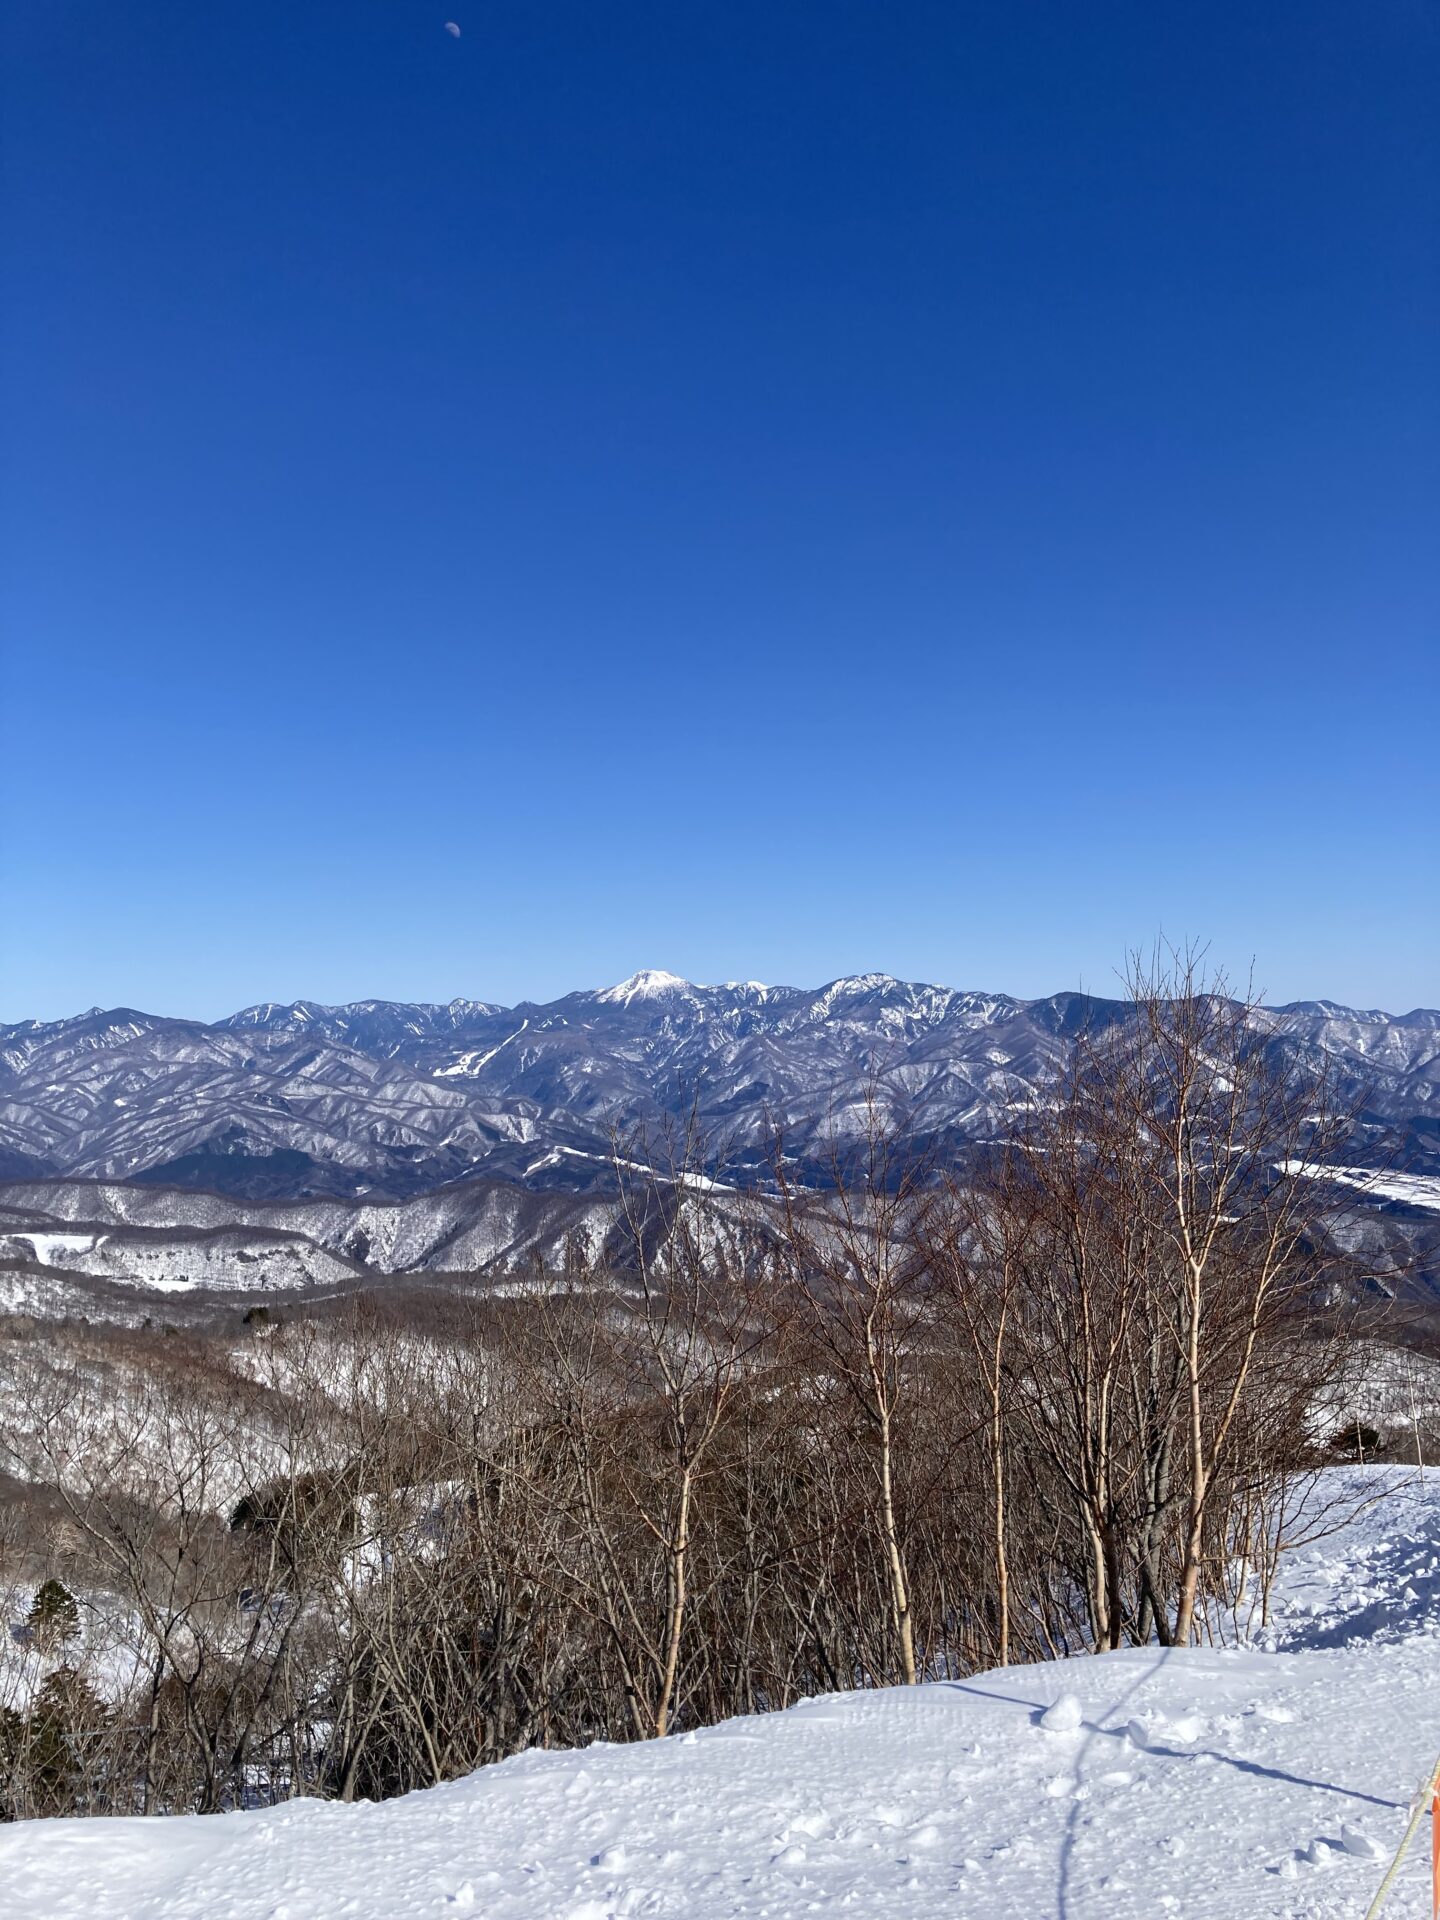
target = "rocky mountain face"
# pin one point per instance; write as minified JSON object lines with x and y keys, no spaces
{"x":380,"y":1101}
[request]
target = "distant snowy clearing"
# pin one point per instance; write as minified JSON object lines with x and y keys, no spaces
{"x":50,"y":1249}
{"x":1410,"y":1189}
{"x":1242,"y":1783}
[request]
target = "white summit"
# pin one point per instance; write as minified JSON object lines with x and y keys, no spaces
{"x":650,"y":983}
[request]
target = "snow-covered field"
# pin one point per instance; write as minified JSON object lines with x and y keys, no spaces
{"x":1236,"y":1782}
{"x":1409,"y":1189}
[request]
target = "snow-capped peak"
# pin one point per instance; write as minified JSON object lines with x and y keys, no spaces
{"x":863,"y":983}
{"x":648,"y":984}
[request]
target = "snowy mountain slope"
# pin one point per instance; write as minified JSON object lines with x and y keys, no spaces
{"x":166,"y":1260}
{"x":469,"y":1228}
{"x":1208,"y":1783}
{"x":139,"y":1236}
{"x":1415,"y":1190}
{"x":118,"y":1094}
{"x":387,"y":1100}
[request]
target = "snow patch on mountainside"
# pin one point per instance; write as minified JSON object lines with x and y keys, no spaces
{"x":472,"y":1062}
{"x":49,"y":1249}
{"x":1410,"y":1189}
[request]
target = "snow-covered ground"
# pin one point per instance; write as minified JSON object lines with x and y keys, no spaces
{"x":1410,"y":1189}
{"x":1250,"y":1782}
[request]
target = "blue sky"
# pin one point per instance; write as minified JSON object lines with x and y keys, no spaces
{"x":763,"y":491}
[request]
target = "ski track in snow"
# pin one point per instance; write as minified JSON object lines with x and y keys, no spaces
{"x":1259,"y":1783}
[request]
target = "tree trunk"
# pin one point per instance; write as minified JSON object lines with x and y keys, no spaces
{"x":899,"y":1586}
{"x":675,"y":1622}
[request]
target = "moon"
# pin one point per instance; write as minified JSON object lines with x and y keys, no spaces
{"x":452,"y":29}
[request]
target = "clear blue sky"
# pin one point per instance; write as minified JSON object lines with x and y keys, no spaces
{"x":761,"y":490}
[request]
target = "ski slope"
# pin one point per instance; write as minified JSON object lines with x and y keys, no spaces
{"x":1239,"y":1783}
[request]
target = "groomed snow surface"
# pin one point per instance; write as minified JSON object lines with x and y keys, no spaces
{"x":1263,"y":1781}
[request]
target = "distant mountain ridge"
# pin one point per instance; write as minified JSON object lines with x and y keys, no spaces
{"x":388,"y":1099}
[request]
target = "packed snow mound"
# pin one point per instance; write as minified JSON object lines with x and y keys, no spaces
{"x":1248,"y":1783}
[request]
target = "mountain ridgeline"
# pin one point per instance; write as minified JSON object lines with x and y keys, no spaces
{"x":384,"y":1101}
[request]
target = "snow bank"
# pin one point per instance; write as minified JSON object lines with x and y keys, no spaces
{"x":1208,"y":1784}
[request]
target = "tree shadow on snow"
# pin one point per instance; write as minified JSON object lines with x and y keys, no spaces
{"x":1094,"y":1732}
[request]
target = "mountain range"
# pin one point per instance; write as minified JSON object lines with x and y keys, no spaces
{"x":384,"y":1100}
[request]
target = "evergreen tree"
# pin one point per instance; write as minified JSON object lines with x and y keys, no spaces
{"x":54,"y":1617}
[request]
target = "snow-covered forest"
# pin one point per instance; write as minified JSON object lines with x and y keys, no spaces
{"x":901,"y":1427}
